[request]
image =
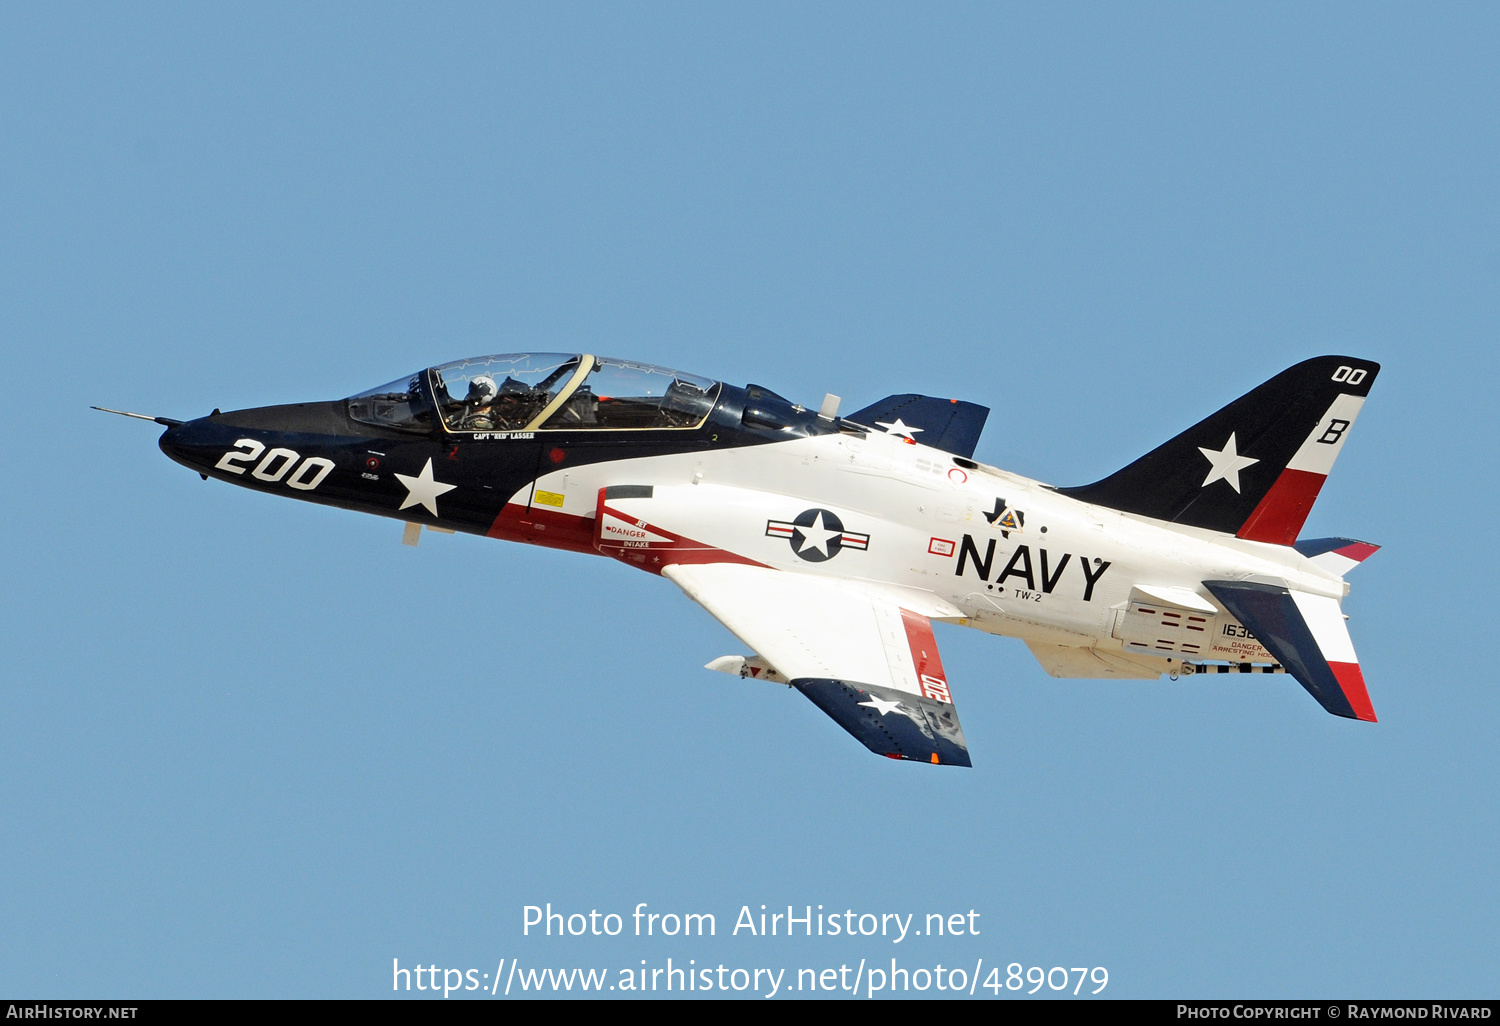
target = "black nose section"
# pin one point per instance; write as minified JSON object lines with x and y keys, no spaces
{"x":293,"y":419}
{"x":197,"y":444}
{"x":202,"y":443}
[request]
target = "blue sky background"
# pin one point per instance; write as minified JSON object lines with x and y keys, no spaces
{"x":251,"y":747}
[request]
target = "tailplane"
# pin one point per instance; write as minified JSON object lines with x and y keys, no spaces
{"x":1339,"y":555}
{"x":1254,"y":468}
{"x":1307,"y":635}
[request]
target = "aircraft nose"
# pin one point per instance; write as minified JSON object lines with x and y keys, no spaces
{"x":195,"y":443}
{"x":203,"y":443}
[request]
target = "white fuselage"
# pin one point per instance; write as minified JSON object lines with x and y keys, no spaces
{"x":1063,"y":573}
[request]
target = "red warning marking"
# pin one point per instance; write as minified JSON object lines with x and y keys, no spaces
{"x":940,"y":547}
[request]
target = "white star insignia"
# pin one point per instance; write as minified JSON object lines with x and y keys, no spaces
{"x":899,"y":428}
{"x":1225,"y":464}
{"x":816,"y":536}
{"x":881,"y":705}
{"x":422,"y":490}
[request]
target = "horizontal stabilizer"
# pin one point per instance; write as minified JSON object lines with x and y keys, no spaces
{"x":951,"y":425}
{"x":1337,"y":554}
{"x":1307,"y":635}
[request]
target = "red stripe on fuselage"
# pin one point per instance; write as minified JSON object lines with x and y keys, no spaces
{"x":558,"y":530}
{"x":1280,"y":515}
{"x":540,"y":526}
{"x":677,"y":550}
{"x":1352,"y":683}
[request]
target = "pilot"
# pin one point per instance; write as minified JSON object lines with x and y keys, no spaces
{"x":482,"y":393}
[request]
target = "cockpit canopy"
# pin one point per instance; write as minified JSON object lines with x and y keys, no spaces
{"x":539,"y":392}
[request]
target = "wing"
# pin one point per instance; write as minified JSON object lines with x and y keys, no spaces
{"x":948,"y":424}
{"x":857,"y":654}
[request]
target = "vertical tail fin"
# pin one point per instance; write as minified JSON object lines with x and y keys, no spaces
{"x":1254,"y":468}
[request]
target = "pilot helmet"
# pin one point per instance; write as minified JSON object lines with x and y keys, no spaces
{"x":482,"y":389}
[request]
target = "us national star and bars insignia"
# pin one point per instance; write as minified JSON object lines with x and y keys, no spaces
{"x":817,"y":535}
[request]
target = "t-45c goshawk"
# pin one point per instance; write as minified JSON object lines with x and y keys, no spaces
{"x":829,"y":544}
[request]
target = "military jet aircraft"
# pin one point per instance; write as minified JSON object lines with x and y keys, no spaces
{"x":830,"y":544}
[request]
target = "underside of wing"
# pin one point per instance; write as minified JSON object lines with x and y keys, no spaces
{"x":865,"y":660}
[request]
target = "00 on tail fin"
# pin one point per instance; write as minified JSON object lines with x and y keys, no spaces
{"x":1254,"y":468}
